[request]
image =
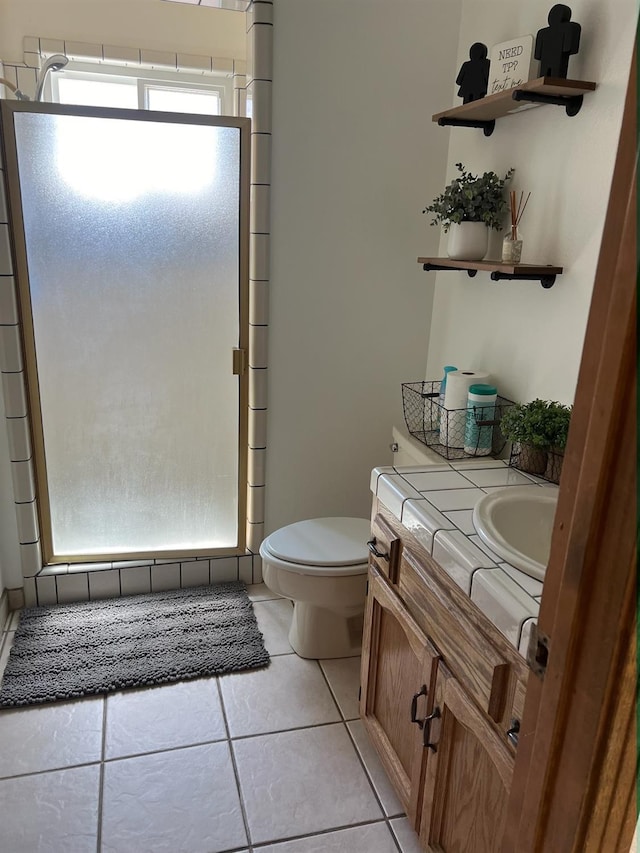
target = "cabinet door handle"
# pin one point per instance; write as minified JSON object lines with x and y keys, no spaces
{"x":427,"y":730}
{"x":512,"y":733}
{"x":372,"y":547}
{"x":414,"y":706}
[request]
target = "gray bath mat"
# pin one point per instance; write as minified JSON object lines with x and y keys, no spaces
{"x":71,"y":650}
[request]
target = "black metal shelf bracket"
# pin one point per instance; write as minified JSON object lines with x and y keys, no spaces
{"x":571,"y":103}
{"x":440,"y":268}
{"x":546,"y":281}
{"x":486,"y":126}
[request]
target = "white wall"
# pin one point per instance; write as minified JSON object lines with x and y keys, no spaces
{"x":355,"y":159}
{"x":530,"y":339}
{"x":151,"y":24}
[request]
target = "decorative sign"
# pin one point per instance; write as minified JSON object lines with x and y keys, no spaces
{"x":511,"y":64}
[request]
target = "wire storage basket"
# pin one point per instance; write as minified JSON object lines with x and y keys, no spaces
{"x":453,"y":433}
{"x":545,"y":463}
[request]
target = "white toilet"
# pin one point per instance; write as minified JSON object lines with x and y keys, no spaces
{"x":321,"y":565}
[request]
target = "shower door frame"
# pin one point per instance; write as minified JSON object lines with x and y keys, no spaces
{"x":238,"y":358}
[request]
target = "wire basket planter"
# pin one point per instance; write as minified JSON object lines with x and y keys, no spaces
{"x":447,"y":431}
{"x":545,"y":463}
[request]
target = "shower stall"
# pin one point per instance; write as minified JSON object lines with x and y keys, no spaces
{"x":130,"y":250}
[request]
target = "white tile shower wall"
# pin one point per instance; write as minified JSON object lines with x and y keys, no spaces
{"x":256,"y":469}
{"x":10,"y":349}
{"x":116,"y":55}
{"x":46,"y":591}
{"x":239,"y":90}
{"x":72,"y":587}
{"x":29,"y":589}
{"x":142,"y":577}
{"x":165,"y":577}
{"x":47,"y":46}
{"x":31,"y":44}
{"x":30,"y":558}
{"x":8,"y":304}
{"x":255,"y":535}
{"x":4,"y":610}
{"x":104,"y":584}
{"x":19,"y":439}
{"x":14,"y":394}
{"x":194,"y":574}
{"x":27,"y":80}
{"x":27,"y":518}
{"x":258,"y":106}
{"x":257,"y":568}
{"x":258,"y":346}
{"x":255,"y":504}
{"x":35,"y":49}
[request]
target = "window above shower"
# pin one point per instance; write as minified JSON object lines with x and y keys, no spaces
{"x":128,"y":77}
{"x":108,"y":86}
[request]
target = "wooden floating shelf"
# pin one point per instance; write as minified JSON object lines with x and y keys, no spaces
{"x":544,"y":90}
{"x":545,"y":274}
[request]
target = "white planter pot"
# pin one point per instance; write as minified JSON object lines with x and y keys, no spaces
{"x":468,"y":241}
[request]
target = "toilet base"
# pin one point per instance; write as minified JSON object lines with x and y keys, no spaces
{"x":317,"y":633}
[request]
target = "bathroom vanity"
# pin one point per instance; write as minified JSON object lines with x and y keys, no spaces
{"x":443,"y":681}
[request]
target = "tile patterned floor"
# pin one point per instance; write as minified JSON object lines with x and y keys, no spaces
{"x":271,"y":761}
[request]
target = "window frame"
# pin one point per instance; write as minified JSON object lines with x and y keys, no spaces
{"x":146,"y":78}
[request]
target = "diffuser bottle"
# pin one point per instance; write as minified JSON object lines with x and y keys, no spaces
{"x":512,"y":247}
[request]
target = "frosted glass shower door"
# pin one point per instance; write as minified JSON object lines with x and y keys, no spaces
{"x":133,"y":292}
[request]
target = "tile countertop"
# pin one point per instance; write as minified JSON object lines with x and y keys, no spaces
{"x":435,"y":503}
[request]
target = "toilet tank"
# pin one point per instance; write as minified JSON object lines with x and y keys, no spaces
{"x":407,"y":450}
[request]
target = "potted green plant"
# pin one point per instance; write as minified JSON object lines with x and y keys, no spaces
{"x":469,"y":206}
{"x":538,"y":431}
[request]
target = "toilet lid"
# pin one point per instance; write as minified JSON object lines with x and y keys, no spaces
{"x":323,"y":542}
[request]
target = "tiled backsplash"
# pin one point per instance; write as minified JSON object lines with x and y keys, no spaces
{"x":435,"y":503}
{"x":252,"y":84}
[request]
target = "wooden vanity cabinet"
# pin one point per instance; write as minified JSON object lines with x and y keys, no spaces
{"x":440,"y":690}
{"x":397,"y":684}
{"x":468,"y":775}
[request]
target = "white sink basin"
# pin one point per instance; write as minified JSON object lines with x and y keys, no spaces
{"x":517,"y":523}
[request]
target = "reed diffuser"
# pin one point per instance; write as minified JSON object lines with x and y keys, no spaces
{"x":512,"y":243}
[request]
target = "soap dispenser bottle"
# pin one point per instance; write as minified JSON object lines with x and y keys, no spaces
{"x":443,"y":387}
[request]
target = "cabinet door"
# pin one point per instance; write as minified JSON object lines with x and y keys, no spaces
{"x":398,"y":674}
{"x":468,"y":775}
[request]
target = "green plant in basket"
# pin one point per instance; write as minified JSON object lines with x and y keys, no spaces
{"x":471,"y":198}
{"x":541,"y":423}
{"x":537,"y":429}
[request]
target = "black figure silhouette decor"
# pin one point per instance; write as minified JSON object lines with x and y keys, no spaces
{"x":557,"y":42}
{"x":473,"y":77}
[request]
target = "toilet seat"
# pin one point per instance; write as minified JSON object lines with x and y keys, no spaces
{"x":320,"y":546}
